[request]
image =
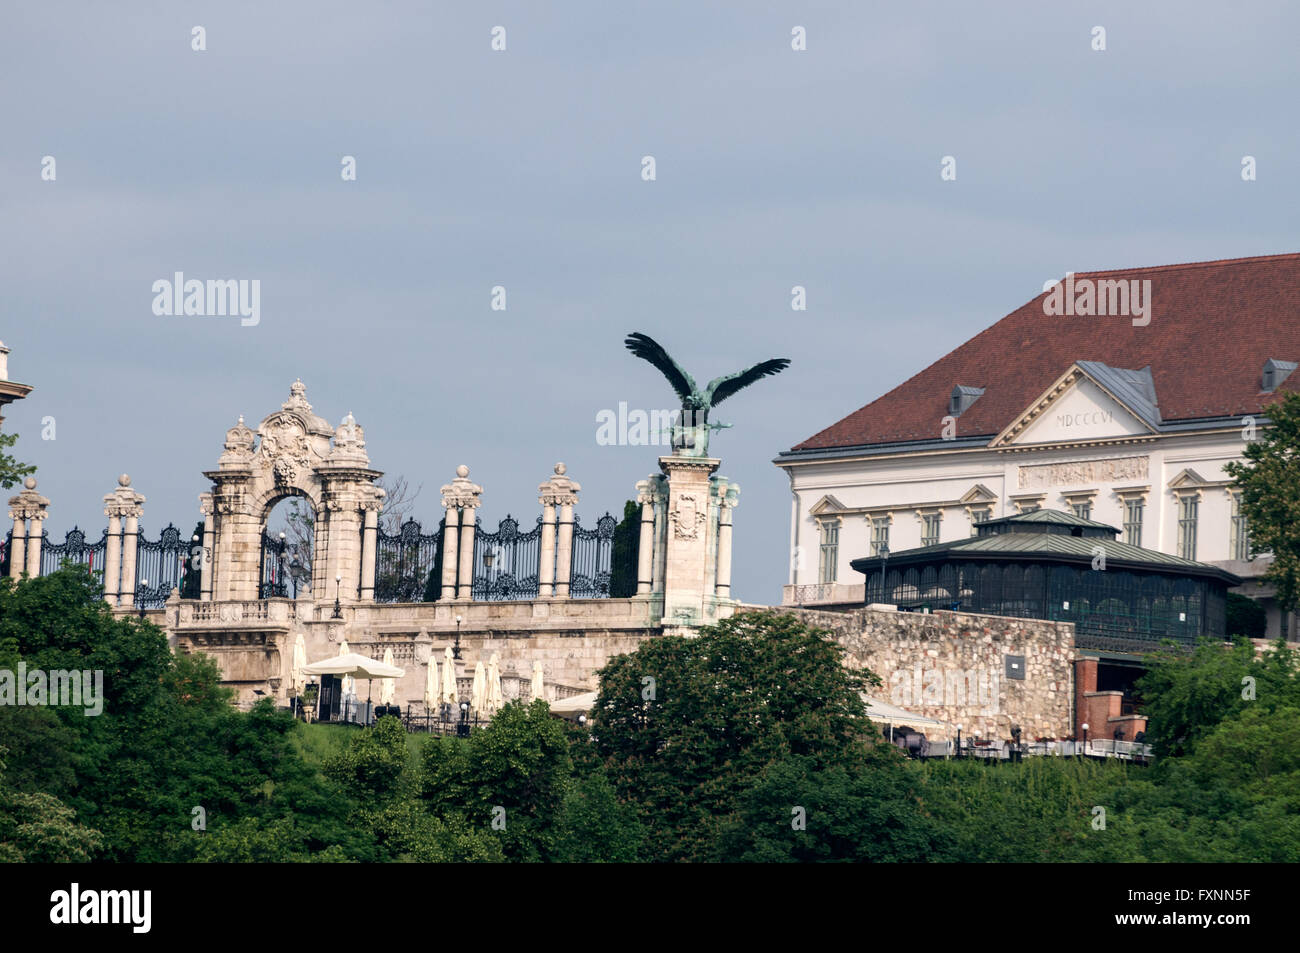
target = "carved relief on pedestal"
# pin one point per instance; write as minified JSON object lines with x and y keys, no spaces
{"x":687,"y":516}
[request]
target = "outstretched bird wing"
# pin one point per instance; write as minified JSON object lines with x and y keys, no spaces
{"x":723,"y":387}
{"x":648,"y":349}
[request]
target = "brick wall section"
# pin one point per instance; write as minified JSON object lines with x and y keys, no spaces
{"x":952,"y":666}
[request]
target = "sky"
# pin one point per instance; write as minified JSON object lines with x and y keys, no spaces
{"x":523,"y":168}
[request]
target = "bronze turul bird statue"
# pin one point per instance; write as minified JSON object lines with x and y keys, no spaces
{"x":690,"y":434}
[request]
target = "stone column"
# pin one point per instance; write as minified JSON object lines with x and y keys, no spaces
{"x":688,"y":515}
{"x":465,"y":577}
{"x":564,"y":551}
{"x":717,"y":490}
{"x":645,"y":539}
{"x":557,"y":495}
{"x":130,"y":543}
{"x":209,"y":540}
{"x":727,"y":503}
{"x":546,"y":558}
{"x":27,"y":510}
{"x":450,"y":536}
{"x":461,"y":498}
{"x":369,"y":535}
{"x":118,"y":505}
{"x":18,"y":544}
{"x":659,"y":486}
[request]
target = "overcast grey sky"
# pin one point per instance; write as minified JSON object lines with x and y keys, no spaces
{"x":522,"y":168}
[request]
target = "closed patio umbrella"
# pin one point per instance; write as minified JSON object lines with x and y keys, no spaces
{"x":431,"y":687}
{"x":495,"y":698}
{"x":449,"y":692}
{"x":296,"y":677}
{"x":539,"y":686}
{"x":478,"y":696}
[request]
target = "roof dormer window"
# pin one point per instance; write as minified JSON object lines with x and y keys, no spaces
{"x":1275,"y":372}
{"x":961,"y":399}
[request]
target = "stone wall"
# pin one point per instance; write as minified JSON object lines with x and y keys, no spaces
{"x":954,"y":667}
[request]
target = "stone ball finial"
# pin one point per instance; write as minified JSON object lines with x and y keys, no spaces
{"x":561,"y":469}
{"x":30,"y":483}
{"x":124,"y":480}
{"x":462,"y":471}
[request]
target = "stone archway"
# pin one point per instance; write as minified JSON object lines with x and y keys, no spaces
{"x":293,"y":452}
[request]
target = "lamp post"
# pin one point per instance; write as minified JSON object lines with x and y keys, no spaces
{"x":884,"y":562}
{"x":144,"y":584}
{"x":959,"y":741}
{"x":455,"y":652}
{"x":338,"y":609}
{"x":462,"y":729}
{"x":1084,"y":726}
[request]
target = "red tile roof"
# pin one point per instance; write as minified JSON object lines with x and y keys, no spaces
{"x":1213,"y":326}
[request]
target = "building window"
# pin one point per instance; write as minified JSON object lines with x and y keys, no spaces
{"x":930,"y":530}
{"x":977,"y":517}
{"x":879,"y":534}
{"x":1240,"y":532}
{"x":829,"y":557}
{"x":1133,"y":521}
{"x":1082,"y":510}
{"x":1188,"y":507}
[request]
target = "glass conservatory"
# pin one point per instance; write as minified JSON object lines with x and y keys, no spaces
{"x":1052,"y":565}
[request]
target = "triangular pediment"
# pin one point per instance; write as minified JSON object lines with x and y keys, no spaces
{"x":979,"y":493}
{"x":1186,"y":478}
{"x":1086,"y":407}
{"x":827,"y":506}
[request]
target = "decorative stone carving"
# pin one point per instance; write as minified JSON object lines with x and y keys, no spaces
{"x":239,"y":445}
{"x":285,"y":447}
{"x":349,"y":443}
{"x":123,"y":501}
{"x":461,"y":491}
{"x":1083,"y":472}
{"x":688,"y":516}
{"x":28,"y":504}
{"x":559,"y":490}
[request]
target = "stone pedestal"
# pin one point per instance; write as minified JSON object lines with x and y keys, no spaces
{"x":686,"y":566}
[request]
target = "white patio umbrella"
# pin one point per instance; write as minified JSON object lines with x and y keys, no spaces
{"x":431,"y":687}
{"x":574,"y":704}
{"x":495,"y":698}
{"x":388,"y":686}
{"x":478,"y":696}
{"x":539,"y":686}
{"x":883,"y":713}
{"x":449,"y":693}
{"x":356,"y":666}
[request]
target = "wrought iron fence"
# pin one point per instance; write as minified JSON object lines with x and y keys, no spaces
{"x":160,"y":567}
{"x":593,"y":551}
{"x":408,"y":565}
{"x":506,"y":562}
{"x":276,"y":572}
{"x":75,"y":549}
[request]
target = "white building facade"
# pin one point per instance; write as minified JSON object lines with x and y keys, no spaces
{"x":1090,"y":440}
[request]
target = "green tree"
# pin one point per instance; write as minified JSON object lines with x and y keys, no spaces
{"x":1269,"y":479}
{"x":685,"y":726}
{"x":1187,"y":694}
{"x":623,"y":559}
{"x":11,"y":471}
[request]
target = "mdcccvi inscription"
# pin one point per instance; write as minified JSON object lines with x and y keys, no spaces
{"x":1044,"y":475}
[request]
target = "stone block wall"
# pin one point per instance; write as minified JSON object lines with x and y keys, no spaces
{"x":954,"y":667}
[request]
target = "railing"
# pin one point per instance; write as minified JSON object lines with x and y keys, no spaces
{"x":408,"y":565}
{"x":75,"y":549}
{"x":593,"y":551}
{"x":506,"y":563}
